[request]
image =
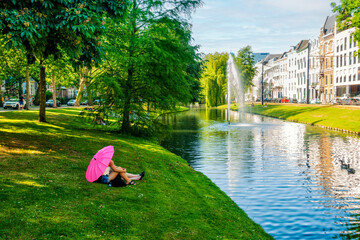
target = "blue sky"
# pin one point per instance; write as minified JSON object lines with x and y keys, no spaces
{"x":266,"y":25}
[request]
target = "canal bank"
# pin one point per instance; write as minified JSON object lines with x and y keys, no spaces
{"x":333,"y":117}
{"x":45,"y":194}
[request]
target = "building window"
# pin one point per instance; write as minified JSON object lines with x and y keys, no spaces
{"x":350,"y":42}
{"x":331,"y":79}
{"x":350,"y":57}
{"x":331,"y":62}
{"x":354,"y":58}
{"x":337,"y":49}
{"x":337,"y":80}
{"x":340,"y":60}
{"x":337,"y":61}
{"x":345,"y":43}
{"x":340,"y":79}
{"x":345,"y":79}
{"x":345,"y":59}
{"x":341,"y":47}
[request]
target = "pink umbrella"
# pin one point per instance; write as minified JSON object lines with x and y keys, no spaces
{"x":99,"y":163}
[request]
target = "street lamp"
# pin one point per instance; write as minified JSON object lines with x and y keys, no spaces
{"x":308,"y":75}
{"x":262,"y":82}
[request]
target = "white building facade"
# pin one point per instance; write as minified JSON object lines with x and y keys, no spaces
{"x":347,"y":64}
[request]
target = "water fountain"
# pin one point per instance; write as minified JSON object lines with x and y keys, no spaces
{"x":234,"y":86}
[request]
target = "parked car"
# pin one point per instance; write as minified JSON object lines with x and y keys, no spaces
{"x":315,"y":101}
{"x":71,"y":102}
{"x":285,"y":100}
{"x":293,"y":100}
{"x":98,"y":101}
{"x":84,"y":102}
{"x":303,"y":101}
{"x":50,"y":103}
{"x":348,"y":101}
{"x":344,"y":96}
{"x":267,"y":99}
{"x":13,"y":103}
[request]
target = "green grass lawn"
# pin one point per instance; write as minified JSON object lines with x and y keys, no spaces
{"x":44,"y":193}
{"x":330,"y":116}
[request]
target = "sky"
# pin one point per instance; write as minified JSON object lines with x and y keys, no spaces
{"x":266,"y":25}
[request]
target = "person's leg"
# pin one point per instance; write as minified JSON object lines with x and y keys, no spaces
{"x":126,"y":178}
{"x":133,"y":176}
{"x":112,"y":176}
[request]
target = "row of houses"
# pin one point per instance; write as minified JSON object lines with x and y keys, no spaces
{"x":61,"y":92}
{"x":327,"y":67}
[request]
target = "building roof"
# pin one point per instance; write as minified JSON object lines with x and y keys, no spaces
{"x":302,"y":45}
{"x":329,"y":25}
{"x":271,"y":56}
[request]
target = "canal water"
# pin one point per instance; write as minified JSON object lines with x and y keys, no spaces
{"x":296,"y":181}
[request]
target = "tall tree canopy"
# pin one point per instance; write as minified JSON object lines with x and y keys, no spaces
{"x":148,"y":59}
{"x":245,"y":63}
{"x":213,"y":79}
{"x":44,"y":28}
{"x":349,"y":15}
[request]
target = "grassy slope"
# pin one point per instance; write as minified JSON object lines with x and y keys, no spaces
{"x":44,"y":193}
{"x":331,"y":116}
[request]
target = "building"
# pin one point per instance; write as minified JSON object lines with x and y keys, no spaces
{"x":347,"y":64}
{"x":314,"y":71}
{"x":301,"y":58}
{"x":258,"y":57}
{"x":280,"y":76}
{"x":271,"y":75}
{"x":326,"y":53}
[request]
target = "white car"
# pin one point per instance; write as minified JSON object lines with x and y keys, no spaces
{"x":71,"y":102}
{"x":13,"y":103}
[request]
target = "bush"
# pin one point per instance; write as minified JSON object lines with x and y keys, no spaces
{"x":49,"y":95}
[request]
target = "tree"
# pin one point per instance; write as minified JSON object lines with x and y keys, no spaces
{"x":349,"y":16}
{"x":245,"y":63}
{"x":44,"y":28}
{"x":12,"y":69}
{"x":147,"y":58}
{"x":213,"y":79}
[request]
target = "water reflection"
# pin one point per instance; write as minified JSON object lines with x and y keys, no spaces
{"x":292,"y":179}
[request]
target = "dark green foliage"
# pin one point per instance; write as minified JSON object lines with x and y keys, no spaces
{"x":49,"y":95}
{"x":46,"y":28}
{"x":147,"y":62}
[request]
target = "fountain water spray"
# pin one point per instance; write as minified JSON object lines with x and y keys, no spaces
{"x":234,"y":85}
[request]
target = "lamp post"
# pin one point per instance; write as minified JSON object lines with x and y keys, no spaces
{"x":262,"y":82}
{"x":308,"y":75}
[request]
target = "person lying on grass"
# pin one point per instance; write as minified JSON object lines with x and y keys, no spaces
{"x":112,"y":171}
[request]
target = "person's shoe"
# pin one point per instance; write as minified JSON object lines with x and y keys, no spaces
{"x":142,"y":175}
{"x":131,"y":183}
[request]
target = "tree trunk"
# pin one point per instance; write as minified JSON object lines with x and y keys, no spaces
{"x":27,"y":88}
{"x":54,"y":90}
{"x":83,"y":75}
{"x":42,"y":86}
{"x":125,"y":127}
{"x":88,"y":91}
